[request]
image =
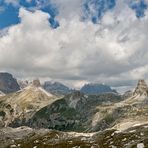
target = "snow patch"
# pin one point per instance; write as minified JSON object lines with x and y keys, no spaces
{"x":1,"y":93}
{"x":138,"y":124}
{"x":81,"y":134}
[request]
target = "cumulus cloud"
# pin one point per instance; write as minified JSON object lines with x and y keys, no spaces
{"x":68,"y":9}
{"x":114,"y":51}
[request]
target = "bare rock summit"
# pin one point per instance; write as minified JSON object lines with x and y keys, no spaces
{"x":141,"y":89}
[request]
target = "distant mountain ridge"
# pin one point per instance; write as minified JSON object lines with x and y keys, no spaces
{"x":56,"y":88}
{"x":89,"y":89}
{"x":9,"y":84}
{"x":96,"y":88}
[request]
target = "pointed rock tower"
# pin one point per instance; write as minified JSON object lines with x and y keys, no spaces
{"x":36,"y":83}
{"x":141,"y":89}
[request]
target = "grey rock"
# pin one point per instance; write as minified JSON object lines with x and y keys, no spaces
{"x":8,"y":84}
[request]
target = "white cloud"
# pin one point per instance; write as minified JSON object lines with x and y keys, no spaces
{"x":113,"y":52}
{"x":68,"y":8}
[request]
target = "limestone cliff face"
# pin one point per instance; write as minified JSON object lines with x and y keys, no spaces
{"x":141,"y":89}
{"x":8,"y":84}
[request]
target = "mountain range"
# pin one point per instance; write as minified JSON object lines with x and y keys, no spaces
{"x":34,"y":117}
{"x":8,"y":84}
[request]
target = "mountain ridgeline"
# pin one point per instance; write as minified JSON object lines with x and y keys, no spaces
{"x":56,"y":88}
{"x":98,"y":112}
{"x":94,"y":89}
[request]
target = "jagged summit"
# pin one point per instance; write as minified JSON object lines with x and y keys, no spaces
{"x":36,"y":83}
{"x":141,"y":89}
{"x":23,"y":83}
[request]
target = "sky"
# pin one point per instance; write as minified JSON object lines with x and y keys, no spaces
{"x":75,"y":41}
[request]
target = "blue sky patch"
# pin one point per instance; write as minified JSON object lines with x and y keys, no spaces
{"x":9,"y":16}
{"x":139,"y":7}
{"x":95,"y":9}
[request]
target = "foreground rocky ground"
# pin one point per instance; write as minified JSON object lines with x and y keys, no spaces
{"x":24,"y":137}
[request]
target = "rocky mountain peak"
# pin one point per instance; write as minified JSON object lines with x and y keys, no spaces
{"x":8,"y":83}
{"x":141,"y":89}
{"x":36,"y":83}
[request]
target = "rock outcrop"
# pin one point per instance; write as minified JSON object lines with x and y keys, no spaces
{"x":36,"y":83}
{"x":141,"y":89}
{"x":8,"y":84}
{"x":23,"y":84}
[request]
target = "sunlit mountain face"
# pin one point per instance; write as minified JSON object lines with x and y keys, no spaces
{"x":92,"y":9}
